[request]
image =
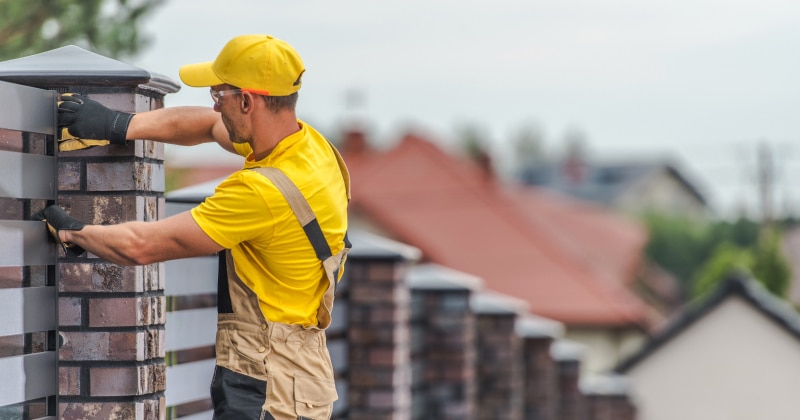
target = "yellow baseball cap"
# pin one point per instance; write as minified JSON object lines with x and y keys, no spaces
{"x":260,"y":64}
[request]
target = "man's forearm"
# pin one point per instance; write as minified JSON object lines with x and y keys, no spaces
{"x":141,"y":243}
{"x":186,"y":126}
{"x":119,"y":244}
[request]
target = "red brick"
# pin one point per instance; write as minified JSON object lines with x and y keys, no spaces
{"x":150,"y":150}
{"x":369,"y":377}
{"x":383,"y":399}
{"x":127,"y":346}
{"x":159,"y":377}
{"x":114,"y":381}
{"x":125,"y":176}
{"x":150,"y":208}
{"x":12,"y":209}
{"x":10,"y":140}
{"x":152,"y":378}
{"x":100,"y":277}
{"x":105,"y":410}
{"x":385,"y":314}
{"x":368,"y":335}
{"x":125,"y":102}
{"x":111,"y":176}
{"x":374,"y":294}
{"x":155,"y":408}
{"x":69,"y":380}
{"x":387,"y":356}
{"x":154,"y":343}
{"x":383,"y":272}
{"x":115,"y":312}
{"x":12,"y":345}
{"x":102,"y":345}
{"x":160,"y":316}
{"x":69,"y":176}
{"x":153,"y":277}
{"x":153,"y":310}
{"x":75,"y":277}
{"x":11,"y":276}
{"x":84,"y":346}
{"x":100,"y":209}
{"x":69,"y":311}
{"x":152,"y":177}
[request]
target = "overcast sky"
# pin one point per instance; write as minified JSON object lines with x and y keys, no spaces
{"x":698,"y":82}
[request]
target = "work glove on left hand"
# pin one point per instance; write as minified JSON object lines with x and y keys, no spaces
{"x":87,"y":123}
{"x":57,"y":219}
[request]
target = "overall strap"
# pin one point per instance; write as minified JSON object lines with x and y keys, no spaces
{"x":308,"y":220}
{"x":346,"y":178}
{"x":342,"y":169}
{"x":301,"y":209}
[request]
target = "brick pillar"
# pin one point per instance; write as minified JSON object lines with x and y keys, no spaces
{"x":443,"y":352}
{"x":608,"y":398}
{"x":111,"y":318}
{"x":379,"y":374}
{"x":499,"y":353}
{"x":541,"y":374}
{"x":572,"y":403}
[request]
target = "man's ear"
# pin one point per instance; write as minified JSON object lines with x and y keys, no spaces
{"x":246,"y":103}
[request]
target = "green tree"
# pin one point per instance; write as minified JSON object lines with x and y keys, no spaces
{"x":678,"y":245}
{"x":108,"y":27}
{"x":726,"y":259}
{"x":743,"y":232}
{"x":764,"y":261}
{"x":684,"y":247}
{"x":770,"y":265}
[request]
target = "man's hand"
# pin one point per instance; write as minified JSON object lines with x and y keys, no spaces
{"x":89,"y":120}
{"x":57,"y":219}
{"x":67,"y":142}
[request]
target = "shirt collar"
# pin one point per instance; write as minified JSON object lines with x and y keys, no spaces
{"x":285,"y":144}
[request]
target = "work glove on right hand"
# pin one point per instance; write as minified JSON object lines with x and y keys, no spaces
{"x":87,"y":123}
{"x":58,"y":219}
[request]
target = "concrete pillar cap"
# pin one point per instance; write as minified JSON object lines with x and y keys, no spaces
{"x":605,"y":384}
{"x":497,"y":303}
{"x":533,"y":326}
{"x":438,"y":277}
{"x":567,"y":350}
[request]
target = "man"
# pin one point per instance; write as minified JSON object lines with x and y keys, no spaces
{"x":281,"y":220}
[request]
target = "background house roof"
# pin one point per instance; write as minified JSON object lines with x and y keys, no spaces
{"x":569,"y":260}
{"x":598,"y":181}
{"x":747,"y":288}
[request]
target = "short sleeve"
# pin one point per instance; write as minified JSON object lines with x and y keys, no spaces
{"x":236,"y":212}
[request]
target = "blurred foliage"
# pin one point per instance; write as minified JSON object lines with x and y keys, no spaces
{"x":107,"y":27}
{"x":765,"y":262}
{"x":726,"y":259}
{"x":700,"y":254}
{"x":677,"y":245}
{"x":770,"y":265}
{"x":473,"y":139}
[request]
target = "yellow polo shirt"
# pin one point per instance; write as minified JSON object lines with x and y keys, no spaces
{"x":271,"y":252}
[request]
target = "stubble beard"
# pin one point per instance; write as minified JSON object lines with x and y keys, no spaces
{"x":233,"y":133}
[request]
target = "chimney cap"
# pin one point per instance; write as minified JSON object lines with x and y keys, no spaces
{"x":71,"y":66}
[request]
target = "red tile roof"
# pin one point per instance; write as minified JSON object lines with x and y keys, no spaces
{"x":571,"y":261}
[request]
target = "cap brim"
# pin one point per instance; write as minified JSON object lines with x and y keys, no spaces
{"x":199,"y":75}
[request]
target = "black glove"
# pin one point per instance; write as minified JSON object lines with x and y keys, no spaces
{"x":88,"y":119}
{"x":57,"y":219}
